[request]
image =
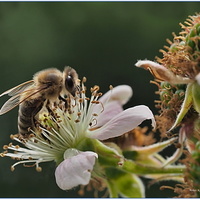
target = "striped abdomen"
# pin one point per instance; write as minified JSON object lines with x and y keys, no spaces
{"x":26,"y":115}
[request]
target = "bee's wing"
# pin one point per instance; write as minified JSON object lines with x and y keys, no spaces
{"x":16,"y":100}
{"x":10,"y":104}
{"x":18,"y":89}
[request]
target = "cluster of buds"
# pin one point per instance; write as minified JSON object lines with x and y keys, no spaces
{"x":177,"y":75}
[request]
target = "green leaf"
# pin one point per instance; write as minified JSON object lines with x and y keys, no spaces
{"x":124,"y":183}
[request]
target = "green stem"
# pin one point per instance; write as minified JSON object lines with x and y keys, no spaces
{"x":139,"y":169}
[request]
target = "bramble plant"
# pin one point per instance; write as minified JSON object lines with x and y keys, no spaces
{"x":177,"y":76}
{"x":94,"y":142}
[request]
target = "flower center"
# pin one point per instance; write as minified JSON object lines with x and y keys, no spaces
{"x":61,"y":129}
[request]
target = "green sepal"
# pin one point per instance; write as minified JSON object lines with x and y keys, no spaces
{"x":124,"y":184}
{"x":132,"y":155}
{"x":187,"y":103}
{"x":142,"y":169}
{"x":107,"y":155}
{"x":196,"y":96}
{"x":85,"y":144}
{"x":148,"y":155}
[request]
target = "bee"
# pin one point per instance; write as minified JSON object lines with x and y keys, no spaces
{"x":31,"y":96}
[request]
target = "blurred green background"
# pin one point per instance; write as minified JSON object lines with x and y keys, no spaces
{"x":101,"y":40}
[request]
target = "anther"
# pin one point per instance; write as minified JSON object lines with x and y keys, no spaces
{"x":31,"y":135}
{"x":79,"y":113}
{"x":96,"y":102}
{"x":84,"y":79}
{"x":5,"y":147}
{"x":94,"y":89}
{"x":178,"y":145}
{"x":80,"y":100}
{"x":12,"y":168}
{"x":2,"y":155}
{"x":35,"y":141}
{"x":38,"y":169}
{"x":12,"y":137}
{"x":100,"y":94}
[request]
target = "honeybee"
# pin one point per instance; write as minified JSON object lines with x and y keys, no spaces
{"x":47,"y":85}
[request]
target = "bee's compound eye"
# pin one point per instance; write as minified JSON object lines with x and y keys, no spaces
{"x":69,"y":84}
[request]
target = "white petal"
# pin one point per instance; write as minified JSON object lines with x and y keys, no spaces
{"x":162,"y":73}
{"x":123,"y":122}
{"x":75,"y":170}
{"x":121,"y":93}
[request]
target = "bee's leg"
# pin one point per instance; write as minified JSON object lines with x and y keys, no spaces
{"x":35,"y":112}
{"x":65,"y":100}
{"x":50,"y":109}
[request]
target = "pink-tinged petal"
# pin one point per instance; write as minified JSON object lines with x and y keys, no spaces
{"x":123,"y":122}
{"x":75,"y":170}
{"x":111,"y":104}
{"x":162,"y":73}
{"x":121,"y":93}
{"x":110,"y":110}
